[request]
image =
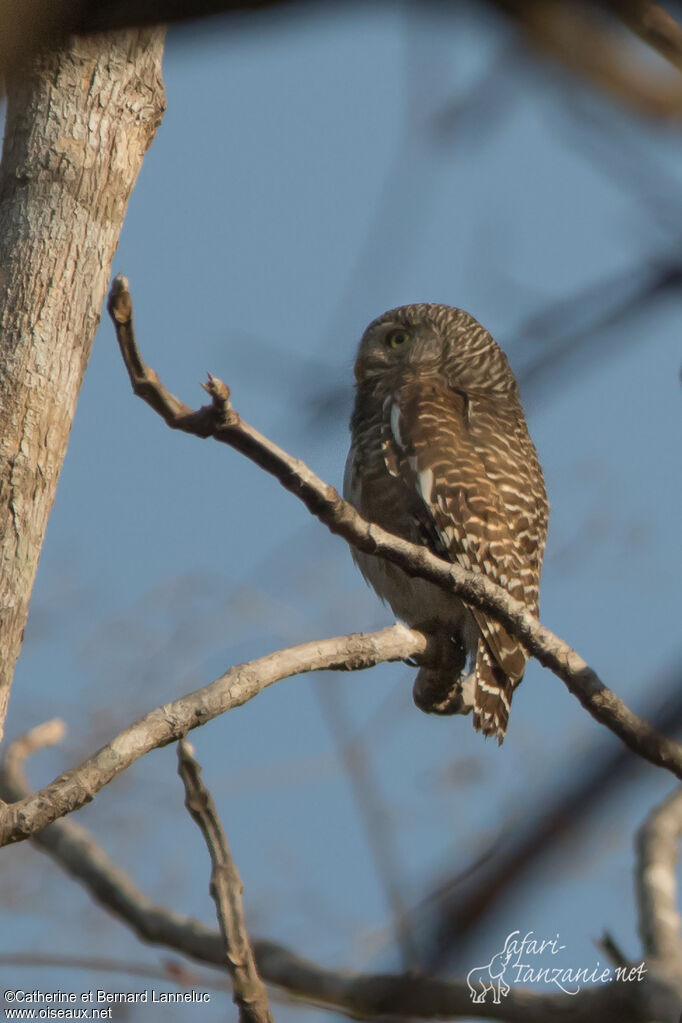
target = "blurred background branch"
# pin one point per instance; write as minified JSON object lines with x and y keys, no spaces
{"x":579,"y":36}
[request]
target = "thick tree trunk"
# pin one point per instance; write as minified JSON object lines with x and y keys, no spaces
{"x":79,"y":122}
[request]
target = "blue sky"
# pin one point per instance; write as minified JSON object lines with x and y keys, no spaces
{"x":305,"y":178}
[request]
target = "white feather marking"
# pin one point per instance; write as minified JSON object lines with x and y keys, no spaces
{"x":468,"y":690}
{"x":494,"y":691}
{"x":425,"y":482}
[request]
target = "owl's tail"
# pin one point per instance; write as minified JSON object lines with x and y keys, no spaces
{"x":443,"y":688}
{"x":487,"y":691}
{"x":492,"y":695}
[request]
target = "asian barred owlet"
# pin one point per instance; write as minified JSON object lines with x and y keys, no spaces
{"x":441,"y":456}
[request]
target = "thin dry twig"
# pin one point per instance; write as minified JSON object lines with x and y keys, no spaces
{"x":654,"y":26}
{"x":226,"y":891}
{"x":50,"y":733}
{"x":578,"y":37}
{"x":77,"y":853}
{"x":220,"y":421}
{"x":612,"y":950}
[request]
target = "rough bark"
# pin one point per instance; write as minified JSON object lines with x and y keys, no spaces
{"x":79,"y":122}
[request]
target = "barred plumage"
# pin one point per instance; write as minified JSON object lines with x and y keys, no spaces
{"x":441,"y":456}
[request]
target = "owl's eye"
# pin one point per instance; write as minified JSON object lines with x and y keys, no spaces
{"x":396,"y":338}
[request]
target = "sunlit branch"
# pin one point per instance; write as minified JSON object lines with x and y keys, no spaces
{"x":363,"y":996}
{"x":173,"y":721}
{"x":220,"y":421}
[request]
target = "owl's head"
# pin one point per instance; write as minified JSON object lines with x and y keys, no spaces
{"x":434,"y":340}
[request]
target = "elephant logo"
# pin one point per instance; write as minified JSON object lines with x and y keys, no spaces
{"x":490,"y":978}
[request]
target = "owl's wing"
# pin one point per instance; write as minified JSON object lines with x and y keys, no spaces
{"x":464,"y":511}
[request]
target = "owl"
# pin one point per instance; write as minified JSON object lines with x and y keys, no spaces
{"x":441,"y":456}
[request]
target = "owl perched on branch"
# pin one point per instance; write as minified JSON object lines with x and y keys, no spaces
{"x":441,"y":456}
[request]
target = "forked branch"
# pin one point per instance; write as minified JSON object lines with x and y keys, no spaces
{"x":78,"y":786}
{"x":220,"y":421}
{"x":358,"y":995}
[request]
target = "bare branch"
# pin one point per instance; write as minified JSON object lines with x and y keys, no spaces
{"x":360,"y":995}
{"x":612,"y":950}
{"x":48,"y":734}
{"x":77,"y":853}
{"x":226,"y":891}
{"x":173,"y":721}
{"x":653,"y":24}
{"x":220,"y":421}
{"x":572,"y":36}
{"x":657,"y":854}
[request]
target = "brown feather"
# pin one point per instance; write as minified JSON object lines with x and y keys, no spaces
{"x":441,"y":456}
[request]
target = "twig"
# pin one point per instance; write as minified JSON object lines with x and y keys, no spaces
{"x":48,"y":734}
{"x":571,"y":36}
{"x":657,"y":855}
{"x":77,"y":853}
{"x":219,"y":420}
{"x":653,"y":24}
{"x":612,"y":950}
{"x":362,"y":995}
{"x":226,"y":891}
{"x":173,"y":721}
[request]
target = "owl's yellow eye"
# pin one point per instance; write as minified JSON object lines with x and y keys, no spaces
{"x":396,"y":338}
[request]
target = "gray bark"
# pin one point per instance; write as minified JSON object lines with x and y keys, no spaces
{"x":79,"y":122}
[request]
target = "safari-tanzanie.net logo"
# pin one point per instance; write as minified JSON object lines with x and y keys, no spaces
{"x":531,"y":960}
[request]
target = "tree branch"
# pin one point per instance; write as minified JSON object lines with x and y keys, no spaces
{"x":657,"y":855}
{"x":226,"y":891}
{"x":654,"y":26}
{"x":579,"y":38}
{"x":220,"y":421}
{"x":362,"y":996}
{"x":173,"y":721}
